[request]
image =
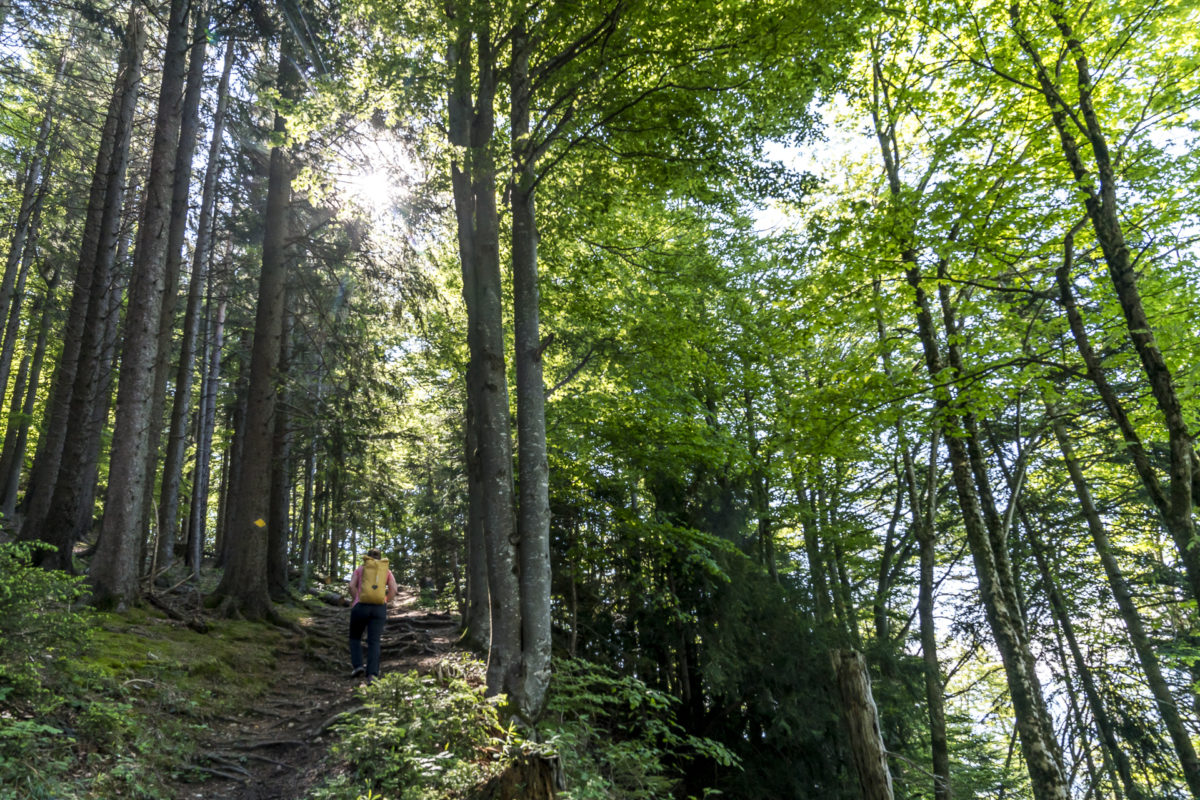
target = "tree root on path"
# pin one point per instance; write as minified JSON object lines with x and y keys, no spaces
{"x":265,"y":744}
{"x":220,"y":773}
{"x":324,"y":726}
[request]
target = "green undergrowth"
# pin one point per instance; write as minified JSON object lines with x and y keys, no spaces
{"x":110,"y":705}
{"x":438,"y":737}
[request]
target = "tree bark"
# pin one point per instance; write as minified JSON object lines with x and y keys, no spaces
{"x":533,"y":519}
{"x":168,"y":506}
{"x":111,"y":160}
{"x":281,"y":446}
{"x":473,"y":177}
{"x":243,"y":590}
{"x":477,"y":616}
{"x":114,"y":570}
{"x":861,"y":718}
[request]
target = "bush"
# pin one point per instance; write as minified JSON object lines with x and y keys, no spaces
{"x":616,"y":737}
{"x":42,"y":628}
{"x":41,"y":622}
{"x":419,"y":738}
{"x":435,"y":737}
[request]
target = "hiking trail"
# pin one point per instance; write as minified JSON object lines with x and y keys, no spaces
{"x":277,"y":748}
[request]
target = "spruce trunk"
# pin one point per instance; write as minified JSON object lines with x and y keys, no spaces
{"x":114,"y":146}
{"x":114,"y":569}
{"x":243,"y":589}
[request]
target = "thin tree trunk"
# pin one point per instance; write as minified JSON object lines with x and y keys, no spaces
{"x":533,"y":517}
{"x":168,"y":505}
{"x":923,"y":518}
{"x":1046,"y":772}
{"x":1103,"y":211}
{"x":1138,"y":636}
{"x":17,"y":436}
{"x":477,"y":618}
{"x":281,"y":445}
{"x":306,"y":514}
{"x":985,"y":536}
{"x":206,"y":420}
{"x":24,"y":231}
{"x":114,"y":570}
{"x":12,"y":331}
{"x":812,"y":550}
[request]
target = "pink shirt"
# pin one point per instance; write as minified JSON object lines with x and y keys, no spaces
{"x":356,"y":585}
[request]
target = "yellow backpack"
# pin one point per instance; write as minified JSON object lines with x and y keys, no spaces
{"x":373,"y":588}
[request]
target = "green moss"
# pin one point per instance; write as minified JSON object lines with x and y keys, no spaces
{"x":146,"y":646}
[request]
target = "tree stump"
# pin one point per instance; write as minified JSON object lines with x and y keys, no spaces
{"x":530,"y":777}
{"x":862,"y":724}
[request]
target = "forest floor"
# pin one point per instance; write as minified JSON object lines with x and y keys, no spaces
{"x":277,"y":747}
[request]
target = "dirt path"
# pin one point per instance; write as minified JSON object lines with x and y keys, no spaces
{"x":277,"y":749}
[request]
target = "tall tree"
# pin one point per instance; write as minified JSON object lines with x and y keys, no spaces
{"x":244,"y":587}
{"x":85,"y":315}
{"x":114,"y":569}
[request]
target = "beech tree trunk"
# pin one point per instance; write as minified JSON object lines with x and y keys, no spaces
{"x":1139,"y":638}
{"x":1047,"y":776}
{"x":114,"y":569}
{"x":477,"y":614}
{"x":243,"y":590}
{"x":923,"y":519}
{"x":1097,"y":186}
{"x":985,"y":534}
{"x":471,"y":128}
{"x":533,"y":517}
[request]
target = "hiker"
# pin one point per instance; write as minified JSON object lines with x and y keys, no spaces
{"x":372,"y":587}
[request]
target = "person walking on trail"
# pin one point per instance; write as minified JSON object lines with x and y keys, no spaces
{"x":372,"y":587}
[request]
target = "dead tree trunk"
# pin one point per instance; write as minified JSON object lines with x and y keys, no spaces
{"x":861,"y":719}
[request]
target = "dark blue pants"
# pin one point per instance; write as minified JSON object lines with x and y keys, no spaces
{"x":371,"y":618}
